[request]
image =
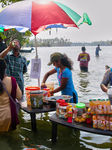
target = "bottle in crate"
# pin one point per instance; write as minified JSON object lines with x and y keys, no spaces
{"x":111,"y":122}
{"x":94,"y":121}
{"x":103,"y":122}
{"x":100,"y":106}
{"x":104,"y":106}
{"x":92,"y":106}
{"x":99,"y":121}
{"x":107,"y":122}
{"x":108,"y":107}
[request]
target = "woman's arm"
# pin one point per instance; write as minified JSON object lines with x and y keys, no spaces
{"x":105,"y":81}
{"x":61,"y":87}
{"x":18,"y":93}
{"x":104,"y":88}
{"x":46,"y":76}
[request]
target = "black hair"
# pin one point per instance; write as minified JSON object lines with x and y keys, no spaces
{"x":83,"y":48}
{"x":2,"y":73}
{"x":65,"y":61}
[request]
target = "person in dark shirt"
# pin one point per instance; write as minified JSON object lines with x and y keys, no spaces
{"x":2,"y":45}
{"x":97,"y":50}
{"x":84,"y":58}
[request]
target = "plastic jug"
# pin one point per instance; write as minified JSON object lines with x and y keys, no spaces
{"x":28,"y":90}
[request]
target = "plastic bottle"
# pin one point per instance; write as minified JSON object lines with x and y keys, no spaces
{"x":98,"y":103}
{"x":108,"y":107}
{"x":74,"y":112}
{"x":69,"y":106}
{"x":88,"y":117}
{"x":47,"y":93}
{"x":111,"y":122}
{"x":94,"y":121}
{"x":90,"y":103}
{"x":92,"y":107}
{"x":109,"y":92}
{"x":58,"y":105}
{"x":107,"y":122}
{"x":100,"y":107}
{"x":99,"y":121}
{"x":95,"y":106}
{"x":62,"y":110}
{"x":104,"y":107}
{"x":70,"y":115}
{"x":102,"y":103}
{"x":96,"y":109}
{"x":103,"y":122}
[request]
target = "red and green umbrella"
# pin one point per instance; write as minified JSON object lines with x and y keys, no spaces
{"x":37,"y":16}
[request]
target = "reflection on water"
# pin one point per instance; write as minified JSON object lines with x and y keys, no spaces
{"x":84,"y":82}
{"x":87,"y":86}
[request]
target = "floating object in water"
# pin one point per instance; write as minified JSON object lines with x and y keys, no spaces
{"x":26,"y":50}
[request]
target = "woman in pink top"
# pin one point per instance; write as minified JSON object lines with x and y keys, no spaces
{"x":84,"y":58}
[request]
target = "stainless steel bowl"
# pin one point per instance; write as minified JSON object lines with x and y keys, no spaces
{"x":52,"y":99}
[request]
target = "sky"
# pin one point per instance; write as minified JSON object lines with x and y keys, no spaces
{"x":100,"y":13}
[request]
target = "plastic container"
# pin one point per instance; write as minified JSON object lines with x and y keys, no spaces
{"x":95,"y":121}
{"x":70,"y":115}
{"x":103,"y":120}
{"x":58,"y":105}
{"x":104,"y":107}
{"x":50,"y":85}
{"x":107,"y":122}
{"x":95,"y":106}
{"x":109,"y":92}
{"x":69,"y":106}
{"x":108,"y":107}
{"x":74,"y":112}
{"x":111,"y":122}
{"x":88,"y":117}
{"x":36,"y":98}
{"x":99,"y":121}
{"x":92,"y":104}
{"x":62,"y":110}
{"x":28,"y":90}
{"x":100,"y":106}
{"x":46,"y":94}
{"x":81,"y":109}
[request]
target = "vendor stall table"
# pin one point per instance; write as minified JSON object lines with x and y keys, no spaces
{"x":33,"y":112}
{"x":80,"y":126}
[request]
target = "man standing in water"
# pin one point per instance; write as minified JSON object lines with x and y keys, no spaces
{"x":16,"y":64}
{"x":84,"y":58}
{"x":97,"y":50}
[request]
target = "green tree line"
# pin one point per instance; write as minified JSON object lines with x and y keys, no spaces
{"x":63,"y":42}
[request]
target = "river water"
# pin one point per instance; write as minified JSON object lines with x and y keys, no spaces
{"x":87,"y":86}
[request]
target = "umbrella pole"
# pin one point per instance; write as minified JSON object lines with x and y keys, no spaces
{"x":36,"y":47}
{"x":37,"y":58}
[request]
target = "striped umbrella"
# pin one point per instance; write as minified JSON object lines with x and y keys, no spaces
{"x":37,"y":16}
